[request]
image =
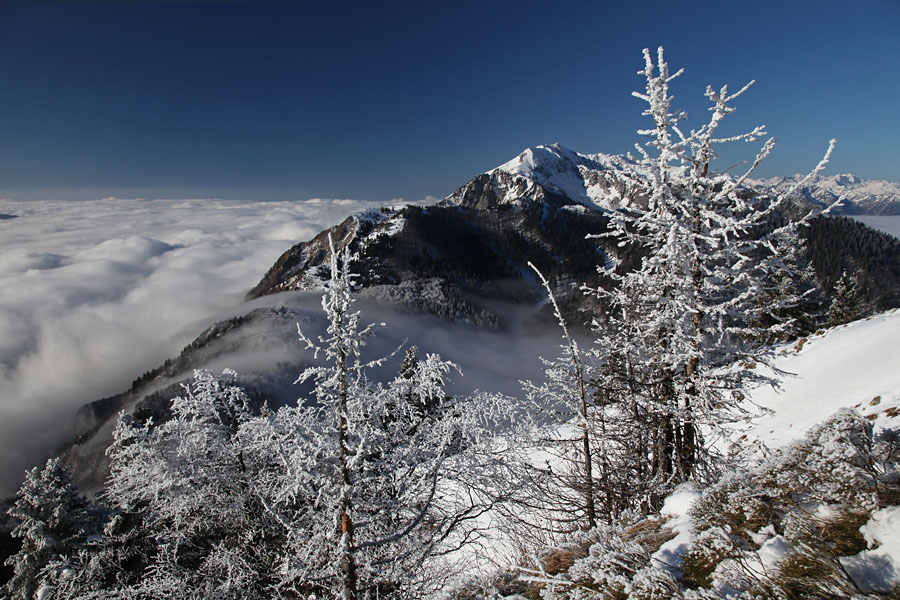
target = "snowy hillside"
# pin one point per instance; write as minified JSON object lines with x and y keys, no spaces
{"x":854,"y":366}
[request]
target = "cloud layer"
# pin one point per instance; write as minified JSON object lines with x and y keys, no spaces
{"x":94,"y":293}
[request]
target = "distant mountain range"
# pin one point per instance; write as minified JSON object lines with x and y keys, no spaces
{"x":599,"y":181}
{"x":861,"y":196}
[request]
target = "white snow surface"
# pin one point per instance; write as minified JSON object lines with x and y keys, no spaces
{"x":773,"y":551}
{"x":676,"y":507}
{"x":878,"y":568}
{"x":855,"y":365}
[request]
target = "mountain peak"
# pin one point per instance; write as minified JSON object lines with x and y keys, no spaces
{"x":549,"y":173}
{"x":846,"y":179}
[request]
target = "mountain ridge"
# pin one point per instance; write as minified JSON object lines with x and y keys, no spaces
{"x":860,"y":196}
{"x":597,"y":181}
{"x":474,"y":245}
{"x":592,"y":180}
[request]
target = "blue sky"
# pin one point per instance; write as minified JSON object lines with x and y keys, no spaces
{"x":283,"y":100}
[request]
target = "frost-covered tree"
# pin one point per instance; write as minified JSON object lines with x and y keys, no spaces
{"x":709,"y":251}
{"x":186,"y":485}
{"x":111,"y":564}
{"x":565,"y":393}
{"x":363,"y":490}
{"x":791,"y":301}
{"x":373,"y":484}
{"x":719,"y":273}
{"x":847,"y":303}
{"x":52,"y":523}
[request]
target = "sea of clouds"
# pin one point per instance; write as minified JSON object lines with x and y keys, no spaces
{"x":886,"y":223}
{"x":94,"y":293}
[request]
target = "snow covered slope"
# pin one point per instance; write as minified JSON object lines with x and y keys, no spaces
{"x":855,"y":365}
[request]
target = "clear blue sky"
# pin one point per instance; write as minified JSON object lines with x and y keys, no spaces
{"x":267,"y":99}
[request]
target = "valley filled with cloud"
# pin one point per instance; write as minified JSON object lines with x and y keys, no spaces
{"x":97,"y":292}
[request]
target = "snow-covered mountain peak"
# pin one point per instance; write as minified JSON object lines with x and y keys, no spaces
{"x":549,"y":173}
{"x":546,"y":159}
{"x":846,"y":179}
{"x":554,"y":168}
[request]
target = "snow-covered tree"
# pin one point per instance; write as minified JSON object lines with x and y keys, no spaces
{"x":790,"y":306}
{"x":52,"y":524}
{"x":719,"y":272}
{"x":186,"y":485}
{"x":373,"y":483}
{"x":847,"y":303}
{"x":112,"y":562}
{"x":363,"y":490}
{"x":709,"y":251}
{"x":565,"y":393}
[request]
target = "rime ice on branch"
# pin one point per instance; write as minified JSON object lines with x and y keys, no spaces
{"x":710,"y":250}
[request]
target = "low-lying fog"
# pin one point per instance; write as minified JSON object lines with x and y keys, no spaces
{"x":92,"y":294}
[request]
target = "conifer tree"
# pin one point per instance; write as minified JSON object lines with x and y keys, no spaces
{"x":185,"y":485}
{"x":52,"y":523}
{"x":847,"y":302}
{"x":566,"y":388}
{"x":709,"y":251}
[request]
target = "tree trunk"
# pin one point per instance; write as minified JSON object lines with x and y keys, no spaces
{"x":590,"y":507}
{"x":348,"y":564}
{"x":588,"y":479}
